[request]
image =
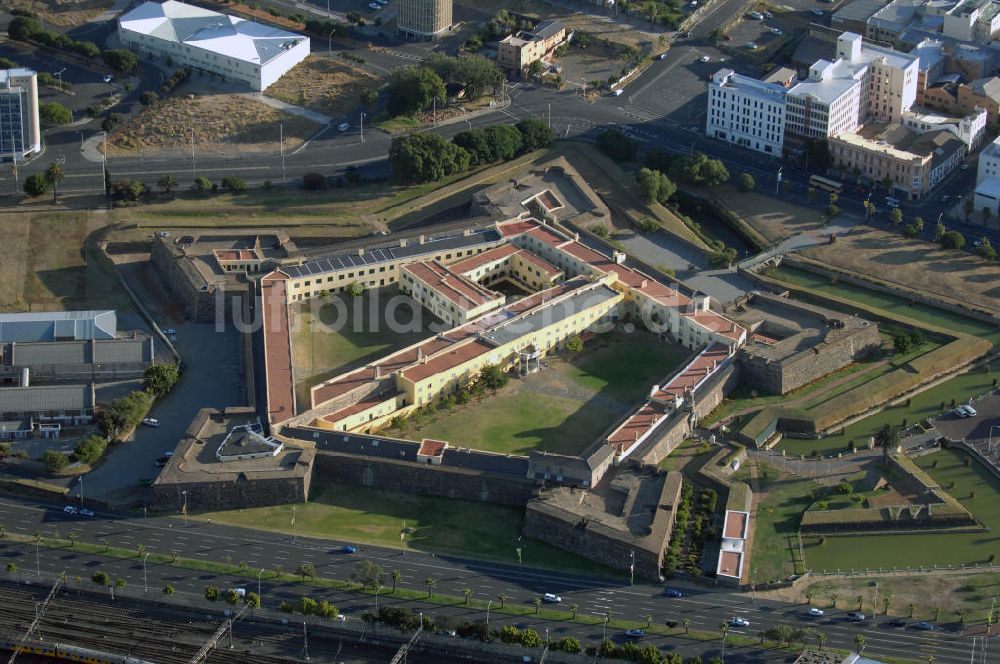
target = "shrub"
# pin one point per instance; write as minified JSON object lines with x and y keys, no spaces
{"x":54,"y":461}
{"x":600,"y":230}
{"x":953,"y":240}
{"x":202,"y":184}
{"x":148,"y":98}
{"x":234,"y":184}
{"x":569,"y":644}
{"x":168,"y":590}
{"x":124,"y":414}
{"x":54,"y":113}
{"x":36,"y":185}
{"x":211,"y":594}
{"x":90,"y":449}
{"x":616,"y":145}
{"x":746,"y":182}
{"x":313,"y":181}
{"x":101,"y":578}
{"x":112,"y":121}
{"x":307,"y":605}
{"x":121,"y":60}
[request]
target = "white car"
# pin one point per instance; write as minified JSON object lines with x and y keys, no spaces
{"x":757,"y":16}
{"x":169,"y":330}
{"x":705,"y":58}
{"x":372,"y":5}
{"x":751,"y":46}
{"x":815,"y":612}
{"x":969,"y":410}
{"x":108,"y":78}
{"x":71,"y":509}
{"x":551,"y":598}
{"x":818,"y":12}
{"x":739,"y":622}
{"x":88,"y":513}
{"x":343,"y":126}
{"x":776,"y":31}
{"x":151,"y":421}
{"x":891,"y":202}
{"x":663,"y":56}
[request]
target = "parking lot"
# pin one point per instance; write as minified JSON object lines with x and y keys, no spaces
{"x":982,"y":426}
{"x":766,"y":34}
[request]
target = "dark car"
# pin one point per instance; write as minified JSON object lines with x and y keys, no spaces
{"x":924,"y":625}
{"x":349,"y":549}
{"x":635,"y":633}
{"x":898,"y":622}
{"x":673,"y":592}
{"x":857,"y":616}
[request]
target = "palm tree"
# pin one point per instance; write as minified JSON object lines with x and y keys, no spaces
{"x":574,"y":608}
{"x":397,"y":576}
{"x":833,"y":598}
{"x":54,"y":175}
{"x":431,"y":584}
{"x":861,"y":602}
{"x":821,"y":638}
{"x":467,"y":592}
{"x":937,"y":613}
{"x":809,"y":598}
{"x":503,"y":598}
{"x":912,"y":607}
{"x":649,"y":621}
{"x":538,"y":604}
{"x":687,"y":624}
{"x":962,"y":615}
{"x":859,"y":643}
{"x":888,"y":439}
{"x":886,"y":601}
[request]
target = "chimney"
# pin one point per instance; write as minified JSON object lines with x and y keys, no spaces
{"x":420,"y":239}
{"x":361,"y":251}
{"x":420,"y":353}
{"x":378,"y":371}
{"x":402,"y":243}
{"x":644,"y":283}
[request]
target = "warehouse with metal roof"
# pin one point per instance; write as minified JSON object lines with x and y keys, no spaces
{"x":58,"y":326}
{"x":228,"y":46}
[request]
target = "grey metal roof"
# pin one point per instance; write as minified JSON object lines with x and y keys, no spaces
{"x":859,"y":10}
{"x":486,"y":462}
{"x":46,"y":398}
{"x":385,"y":254}
{"x":544,"y":316}
{"x":112,"y":351}
{"x":50,"y":325}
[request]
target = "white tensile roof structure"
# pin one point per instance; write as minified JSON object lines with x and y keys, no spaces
{"x":226,"y":35}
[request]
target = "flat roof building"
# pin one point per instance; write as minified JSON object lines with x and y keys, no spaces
{"x":64,"y":403}
{"x":20,"y":131}
{"x":518,"y":51}
{"x":746,"y":111}
{"x":229,"y":46}
{"x":58,"y":326}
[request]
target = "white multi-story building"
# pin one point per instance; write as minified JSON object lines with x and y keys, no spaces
{"x":231,"y":47}
{"x":20,"y":133}
{"x":827,"y":102}
{"x":987,"y":194}
{"x":889,"y":77}
{"x":971,"y":129}
{"x":747,"y":112}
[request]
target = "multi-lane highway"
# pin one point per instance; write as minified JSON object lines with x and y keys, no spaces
{"x":705,"y":606}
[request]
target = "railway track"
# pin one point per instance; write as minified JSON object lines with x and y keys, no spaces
{"x":125,"y":630}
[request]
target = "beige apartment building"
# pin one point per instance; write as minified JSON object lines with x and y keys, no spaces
{"x":518,"y":51}
{"x":914,"y":162}
{"x":423,"y":19}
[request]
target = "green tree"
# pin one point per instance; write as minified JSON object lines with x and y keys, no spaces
{"x":121,"y":60}
{"x":36,"y":185}
{"x":493,"y":377}
{"x":476,"y":74}
{"x":425,"y":158}
{"x":160,"y":378}
{"x":90,"y":449}
{"x":574,"y":344}
{"x":54,"y":113}
{"x":54,"y":461}
{"x":968,"y":206}
{"x":535,"y":134}
{"x":746,"y":182}
{"x":901,"y":343}
{"x":831,"y":211}
{"x":530,"y":638}
{"x":538,"y":604}
{"x":413,"y":89}
{"x":431,"y":584}
{"x":148,"y":98}
{"x":202,"y":184}
{"x":54,"y":175}
{"x":101,"y":578}
{"x":896,"y":216}
{"x":355,"y":289}
{"x":23,"y":28}
{"x":232,"y":597}
{"x":306,"y":570}
{"x":168,"y":590}
{"x":168,"y":183}
{"x":655,"y":186}
{"x":859,"y":643}
{"x":211,"y":593}
{"x":307,"y":605}
{"x":939,"y":231}
{"x":369,"y":97}
{"x":616,"y":145}
{"x":369,"y":574}
{"x":569,"y":644}
{"x":397,"y":578}
{"x":918,"y":223}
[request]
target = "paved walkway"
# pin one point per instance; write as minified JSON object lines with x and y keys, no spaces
{"x":315,"y":116}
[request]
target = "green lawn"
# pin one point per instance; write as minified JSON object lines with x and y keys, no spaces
{"x":440,"y":525}
{"x":562,"y":409}
{"x":778,"y":516}
{"x":515,"y":422}
{"x":889,"y":303}
{"x":849,"y":552}
{"x":330,"y":337}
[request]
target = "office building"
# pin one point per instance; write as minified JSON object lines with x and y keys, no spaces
{"x":20,"y":132}
{"x":231,"y":47}
{"x":423,"y":19}
{"x":747,"y":112}
{"x":518,"y":51}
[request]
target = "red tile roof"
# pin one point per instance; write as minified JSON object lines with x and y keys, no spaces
{"x":636,"y":426}
{"x":277,"y":348}
{"x":735,"y":526}
{"x":717,"y":323}
{"x":463,"y":292}
{"x":236,"y":254}
{"x":429,"y":447}
{"x":537,"y":261}
{"x":368,"y":402}
{"x":512,"y":228}
{"x":469,"y":264}
{"x":456,"y":356}
{"x":730,"y":563}
{"x":693,"y":373}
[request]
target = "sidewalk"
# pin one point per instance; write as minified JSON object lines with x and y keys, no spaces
{"x":314,"y":116}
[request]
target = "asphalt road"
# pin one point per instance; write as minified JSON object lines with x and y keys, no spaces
{"x":706,"y":607}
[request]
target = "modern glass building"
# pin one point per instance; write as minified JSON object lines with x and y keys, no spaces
{"x":20,"y":133}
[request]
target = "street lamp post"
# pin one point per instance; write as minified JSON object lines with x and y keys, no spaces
{"x":184,"y":505}
{"x":631,"y":569}
{"x":59,"y":74}
{"x":259,"y":574}
{"x":281,"y":141}
{"x":145,"y":587}
{"x":362,"y":126}
{"x":378,"y":589}
{"x":604,"y":637}
{"x":488,"y":605}
{"x":81,"y":490}
{"x":777,"y":182}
